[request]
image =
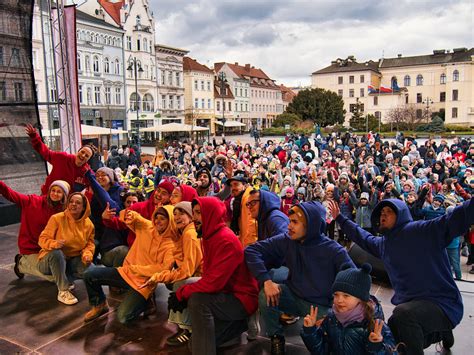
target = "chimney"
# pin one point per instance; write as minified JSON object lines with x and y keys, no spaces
{"x":247,"y":67}
{"x":399,"y":55}
{"x":236,"y":63}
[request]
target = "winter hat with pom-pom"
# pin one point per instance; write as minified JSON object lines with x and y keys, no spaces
{"x":355,"y":282}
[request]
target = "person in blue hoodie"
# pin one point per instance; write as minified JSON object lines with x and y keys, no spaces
{"x":264,"y":206}
{"x":428,"y":302}
{"x":110,"y":243}
{"x":313,"y":261}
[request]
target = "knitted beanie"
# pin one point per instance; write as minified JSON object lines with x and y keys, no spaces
{"x":185,"y":206}
{"x":63,"y":185}
{"x":109,"y":172}
{"x":439,"y":198}
{"x":355,"y":282}
{"x":166,"y":185}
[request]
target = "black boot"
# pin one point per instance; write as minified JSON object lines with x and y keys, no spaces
{"x":16,"y":268}
{"x":278,"y":345}
{"x":448,"y":339}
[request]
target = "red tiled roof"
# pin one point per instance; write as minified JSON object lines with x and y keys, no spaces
{"x":217,"y":89}
{"x":113,"y":9}
{"x":245,"y":72}
{"x":192,"y":64}
{"x":287,"y":94}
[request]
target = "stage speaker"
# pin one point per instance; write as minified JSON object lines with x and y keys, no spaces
{"x":9,"y":212}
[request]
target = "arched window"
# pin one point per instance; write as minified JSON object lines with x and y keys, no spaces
{"x":145,"y":45}
{"x":442,"y":79}
{"x":419,"y":80}
{"x":455,"y":75}
{"x":79,"y":62}
{"x":407,"y":80}
{"x":394,"y":83}
{"x":138,"y":20}
{"x":88,"y":63}
{"x":148,"y":103}
{"x":134,"y":101}
{"x":106,"y":65}
{"x":96,"y":64}
{"x":117,"y":67}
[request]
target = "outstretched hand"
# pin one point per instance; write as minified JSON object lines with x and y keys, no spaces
{"x":334,"y":209}
{"x":108,"y":213}
{"x":376,"y":335}
{"x":310,"y":319}
{"x":30,"y":130}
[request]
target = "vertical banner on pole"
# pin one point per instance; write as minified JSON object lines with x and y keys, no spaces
{"x":65,"y":54}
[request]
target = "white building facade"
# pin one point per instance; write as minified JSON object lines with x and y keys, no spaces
{"x":170,"y":86}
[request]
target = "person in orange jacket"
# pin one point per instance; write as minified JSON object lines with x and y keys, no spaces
{"x":151,"y":252}
{"x":187,"y":254}
{"x":67,"y":243}
{"x":242,"y":223}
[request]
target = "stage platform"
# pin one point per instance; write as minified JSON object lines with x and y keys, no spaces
{"x":33,"y":321}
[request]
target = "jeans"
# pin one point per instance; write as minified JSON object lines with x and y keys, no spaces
{"x":64,"y":270}
{"x":454,"y":261}
{"x":133,"y":303}
{"x":182,"y":319}
{"x":29,"y":265}
{"x":289,"y":303}
{"x":216,"y":319}
{"x":114,"y":257}
{"x":418,"y":324}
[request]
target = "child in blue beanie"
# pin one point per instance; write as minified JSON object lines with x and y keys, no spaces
{"x":355,"y":324}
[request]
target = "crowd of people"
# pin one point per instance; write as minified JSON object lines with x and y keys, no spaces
{"x":246,"y":235}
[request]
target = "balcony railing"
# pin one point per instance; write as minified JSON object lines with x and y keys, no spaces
{"x":142,"y":28}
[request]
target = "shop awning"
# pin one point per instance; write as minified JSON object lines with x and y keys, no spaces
{"x":231,"y":124}
{"x":174,"y":127}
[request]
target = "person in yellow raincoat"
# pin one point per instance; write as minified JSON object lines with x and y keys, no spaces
{"x":151,"y":252}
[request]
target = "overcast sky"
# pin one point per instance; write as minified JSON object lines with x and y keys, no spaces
{"x":290,"y":39}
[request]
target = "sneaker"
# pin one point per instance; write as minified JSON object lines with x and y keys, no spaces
{"x":182,"y":337}
{"x":277,"y":345}
{"x":448,"y":339}
{"x":67,"y":297}
{"x":96,"y":312}
{"x":16,"y":268}
{"x":287,"y":319}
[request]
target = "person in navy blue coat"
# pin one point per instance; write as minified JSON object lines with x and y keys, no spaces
{"x":428,"y":302}
{"x":313,"y":261}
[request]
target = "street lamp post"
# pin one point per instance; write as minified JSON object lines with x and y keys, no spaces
{"x":222,"y":79}
{"x":135,"y":67}
{"x":427,"y":101}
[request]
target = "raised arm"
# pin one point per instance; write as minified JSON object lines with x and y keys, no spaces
{"x":13,"y":196}
{"x":102,"y":195}
{"x":38,"y":144}
{"x":451,"y":225}
{"x":368,"y":242}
